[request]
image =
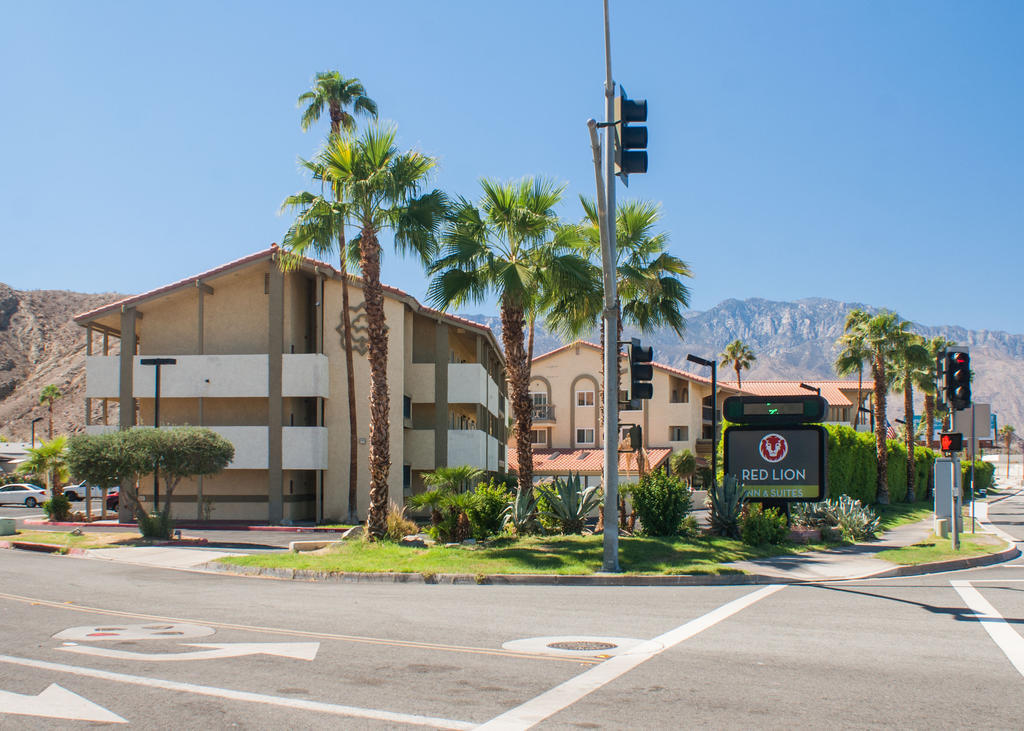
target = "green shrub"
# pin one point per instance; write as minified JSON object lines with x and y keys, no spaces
{"x":155,"y":525}
{"x":545,"y":512}
{"x":726,"y":504}
{"x":486,"y":512}
{"x":661,"y":503}
{"x":57,"y":508}
{"x":759,"y":527}
{"x":983,"y":474}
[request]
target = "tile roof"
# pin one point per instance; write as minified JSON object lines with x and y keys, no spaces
{"x":830,"y":390}
{"x":563,"y":461}
{"x":660,"y":366}
{"x":256,"y":256}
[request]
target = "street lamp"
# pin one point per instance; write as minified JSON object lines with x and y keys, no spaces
{"x":38,"y":418}
{"x":861,"y":409}
{"x":157,"y":362}
{"x":713,"y":365}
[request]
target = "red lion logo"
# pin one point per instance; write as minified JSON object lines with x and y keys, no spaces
{"x":773,"y":448}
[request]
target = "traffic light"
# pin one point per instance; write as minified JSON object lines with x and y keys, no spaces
{"x":630,"y":139}
{"x":951,"y":441}
{"x":958,"y":379}
{"x":635,"y":434}
{"x":639,"y":374}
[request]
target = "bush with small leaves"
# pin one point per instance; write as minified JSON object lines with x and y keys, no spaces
{"x":486,"y":512}
{"x":760,"y":527}
{"x":155,"y":525}
{"x":57,"y":508}
{"x":661,"y":502}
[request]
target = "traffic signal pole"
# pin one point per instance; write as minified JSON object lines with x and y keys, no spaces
{"x":611,"y":319}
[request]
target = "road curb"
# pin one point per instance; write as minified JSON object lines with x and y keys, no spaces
{"x":1009,"y":553}
{"x":190,"y":526}
{"x":42,"y":548}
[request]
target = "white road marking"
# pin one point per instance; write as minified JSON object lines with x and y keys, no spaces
{"x":562,"y":696}
{"x":243,"y":696}
{"x":1011,"y":643}
{"x":115,"y":631}
{"x":56,"y":702}
{"x":295,"y":650}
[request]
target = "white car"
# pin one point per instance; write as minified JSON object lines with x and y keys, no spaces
{"x":78,"y":492}
{"x":22,"y":493}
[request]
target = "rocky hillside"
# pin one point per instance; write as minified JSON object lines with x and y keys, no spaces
{"x":795,"y":340}
{"x":40,"y":345}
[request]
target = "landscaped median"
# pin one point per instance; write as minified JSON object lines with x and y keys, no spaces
{"x":72,"y":542}
{"x":557,"y":557}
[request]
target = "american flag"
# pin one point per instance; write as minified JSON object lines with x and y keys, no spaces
{"x":890,"y":431}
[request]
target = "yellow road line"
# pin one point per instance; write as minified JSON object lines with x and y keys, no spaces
{"x":71,"y":606}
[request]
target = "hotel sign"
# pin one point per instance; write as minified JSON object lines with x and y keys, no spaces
{"x":786,"y":462}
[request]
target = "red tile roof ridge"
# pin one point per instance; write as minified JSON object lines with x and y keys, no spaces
{"x":256,"y":256}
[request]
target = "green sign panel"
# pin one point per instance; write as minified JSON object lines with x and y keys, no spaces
{"x":778,"y":463}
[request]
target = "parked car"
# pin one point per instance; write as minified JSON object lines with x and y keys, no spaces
{"x":78,"y":492}
{"x":22,"y":493}
{"x":112,"y":498}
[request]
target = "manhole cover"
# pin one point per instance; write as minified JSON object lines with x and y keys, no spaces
{"x":582,"y":646}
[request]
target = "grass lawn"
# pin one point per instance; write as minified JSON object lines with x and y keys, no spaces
{"x":533,"y":555}
{"x":941,"y":549}
{"x":902,"y":513}
{"x":66,"y":539}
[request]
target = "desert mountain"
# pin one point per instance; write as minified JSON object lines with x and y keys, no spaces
{"x":796,"y":341}
{"x":40,"y":345}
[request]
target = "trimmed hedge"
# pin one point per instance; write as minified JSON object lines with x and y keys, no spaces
{"x":983,"y":474}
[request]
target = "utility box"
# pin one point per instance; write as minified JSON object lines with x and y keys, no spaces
{"x":7,"y":527}
{"x":947,"y":489}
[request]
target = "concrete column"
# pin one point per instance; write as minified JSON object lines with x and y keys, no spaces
{"x":200,"y":349}
{"x":106,"y":348}
{"x":88,"y":351}
{"x":275,"y":402}
{"x":125,"y":391}
{"x":441,"y":395}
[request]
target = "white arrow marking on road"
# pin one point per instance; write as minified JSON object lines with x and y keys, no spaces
{"x":295,"y":650}
{"x":56,"y":702}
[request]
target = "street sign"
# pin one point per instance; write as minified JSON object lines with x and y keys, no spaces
{"x":951,"y":441}
{"x":778,"y":463}
{"x":774,"y":409}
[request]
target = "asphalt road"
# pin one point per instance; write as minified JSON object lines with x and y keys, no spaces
{"x":895,"y":652}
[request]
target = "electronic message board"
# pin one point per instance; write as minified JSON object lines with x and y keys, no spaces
{"x":778,"y":463}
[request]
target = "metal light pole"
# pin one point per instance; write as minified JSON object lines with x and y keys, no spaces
{"x":713,"y":364}
{"x":38,"y":418}
{"x":157,"y":362}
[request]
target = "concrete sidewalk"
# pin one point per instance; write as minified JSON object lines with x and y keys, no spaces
{"x":167,"y":557}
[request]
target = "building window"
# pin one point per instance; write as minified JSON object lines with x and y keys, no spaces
{"x":539,"y":398}
{"x":407,"y":407}
{"x":406,"y":478}
{"x":624,"y":402}
{"x":584,"y":398}
{"x":679,"y":433}
{"x":584,"y":436}
{"x":681,"y":394}
{"x":539,"y":436}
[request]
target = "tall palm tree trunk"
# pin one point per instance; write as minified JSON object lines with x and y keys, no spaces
{"x":860,"y":398}
{"x":513,"y":322}
{"x":346,"y":315}
{"x":353,"y":422}
{"x":929,"y":419}
{"x":380,"y":402}
{"x":878,"y":373}
{"x":738,"y":384}
{"x":908,"y":418}
{"x":50,"y":430}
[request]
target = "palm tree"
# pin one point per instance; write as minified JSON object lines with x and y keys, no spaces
{"x":881,"y":335}
{"x":50,"y":394}
{"x":1006,"y":432}
{"x":683,"y":464}
{"x":739,"y":355}
{"x":47,"y":460}
{"x":936,"y":347}
{"x":505,"y":246}
{"x":649,"y":282}
{"x":853,"y":353}
{"x":382,"y":186}
{"x":320,"y":222}
{"x":910,"y":369}
{"x":338,"y":95}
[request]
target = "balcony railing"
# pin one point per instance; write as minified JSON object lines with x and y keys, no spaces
{"x":544,"y":412}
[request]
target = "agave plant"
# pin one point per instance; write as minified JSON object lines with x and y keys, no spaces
{"x":857,"y":521}
{"x":521,"y":513}
{"x":568,"y":503}
{"x":726,"y":503}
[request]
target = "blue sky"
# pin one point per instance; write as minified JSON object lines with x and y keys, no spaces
{"x":863,"y":151}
